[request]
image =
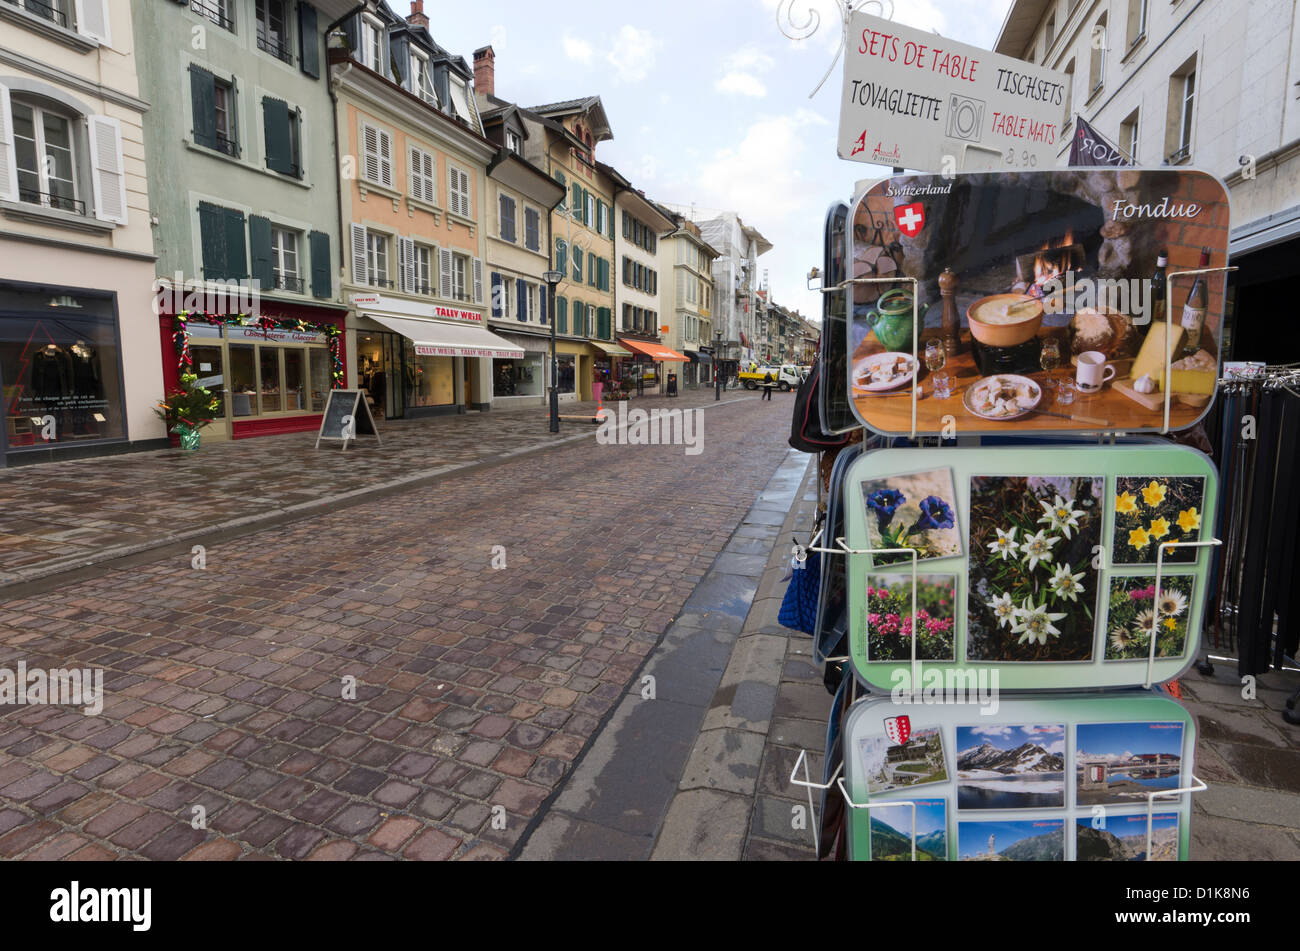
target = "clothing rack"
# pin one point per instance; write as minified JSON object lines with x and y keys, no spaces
{"x":1254,"y":605}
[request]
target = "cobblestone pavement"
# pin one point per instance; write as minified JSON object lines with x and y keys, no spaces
{"x":57,"y":516}
{"x":476,"y":688}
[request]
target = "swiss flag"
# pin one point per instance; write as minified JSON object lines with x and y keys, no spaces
{"x":910,"y":218}
{"x":898,"y":729}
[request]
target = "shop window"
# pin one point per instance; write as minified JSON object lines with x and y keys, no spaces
{"x":567,"y":372}
{"x":59,"y":366}
{"x":322,"y":377}
{"x":518,"y":377}
{"x":272,"y":397}
{"x":243,"y":380}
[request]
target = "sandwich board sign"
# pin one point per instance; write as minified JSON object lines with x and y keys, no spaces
{"x":921,"y":101}
{"x":347,"y":415}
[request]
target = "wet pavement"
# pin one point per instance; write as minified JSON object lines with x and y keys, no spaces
{"x":476,"y":688}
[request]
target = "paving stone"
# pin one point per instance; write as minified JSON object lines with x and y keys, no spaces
{"x":726,"y":760}
{"x":1262,"y":806}
{"x":704,"y":824}
{"x":1214,"y":838}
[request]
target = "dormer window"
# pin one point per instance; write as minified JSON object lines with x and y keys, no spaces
{"x":514,"y":143}
{"x":372,"y":43}
{"x":421,"y":80}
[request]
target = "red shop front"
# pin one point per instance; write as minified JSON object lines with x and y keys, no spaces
{"x":272,"y":374}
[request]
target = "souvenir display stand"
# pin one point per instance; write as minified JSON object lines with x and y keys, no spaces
{"x":1011,"y":573}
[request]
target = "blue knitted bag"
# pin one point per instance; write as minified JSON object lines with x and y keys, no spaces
{"x":799,"y":606}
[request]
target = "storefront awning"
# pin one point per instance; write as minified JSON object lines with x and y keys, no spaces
{"x":438,"y":338}
{"x":655,"y":351}
{"x":611,"y":349}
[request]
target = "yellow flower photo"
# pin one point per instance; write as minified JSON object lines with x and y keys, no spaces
{"x":1153,"y":494}
{"x":1151,"y":510}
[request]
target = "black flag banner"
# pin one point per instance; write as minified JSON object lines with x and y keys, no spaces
{"x":1089,"y":148}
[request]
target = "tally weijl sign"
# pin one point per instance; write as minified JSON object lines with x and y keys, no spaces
{"x":916,"y":100}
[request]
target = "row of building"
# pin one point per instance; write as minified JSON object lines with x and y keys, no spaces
{"x":398,"y":218}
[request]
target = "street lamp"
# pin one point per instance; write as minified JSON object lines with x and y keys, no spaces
{"x":717,"y":367}
{"x":552,"y":278}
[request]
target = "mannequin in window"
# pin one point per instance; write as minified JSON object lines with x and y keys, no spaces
{"x":51,"y":373}
{"x":86,"y":378}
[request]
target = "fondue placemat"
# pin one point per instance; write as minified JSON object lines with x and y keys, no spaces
{"x":1018,"y":274}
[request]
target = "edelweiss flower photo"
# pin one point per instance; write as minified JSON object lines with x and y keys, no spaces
{"x":1032,"y":584}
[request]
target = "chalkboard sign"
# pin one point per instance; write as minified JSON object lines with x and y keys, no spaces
{"x":347,"y":416}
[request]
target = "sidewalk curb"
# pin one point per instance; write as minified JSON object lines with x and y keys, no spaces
{"x":39,"y":578}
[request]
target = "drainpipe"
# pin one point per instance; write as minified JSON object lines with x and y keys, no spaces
{"x":338,"y":158}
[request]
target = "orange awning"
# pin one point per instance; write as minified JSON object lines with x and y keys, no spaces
{"x":657,"y":352}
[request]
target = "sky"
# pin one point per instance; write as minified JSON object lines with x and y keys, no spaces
{"x":707,"y":100}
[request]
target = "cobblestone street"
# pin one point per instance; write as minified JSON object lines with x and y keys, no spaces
{"x":476,"y":687}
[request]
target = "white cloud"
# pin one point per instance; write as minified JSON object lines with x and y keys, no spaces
{"x":749,"y":59}
{"x":741,"y":84}
{"x":578,"y":49}
{"x":498,"y":38}
{"x":633,"y":53}
{"x":647,"y":168}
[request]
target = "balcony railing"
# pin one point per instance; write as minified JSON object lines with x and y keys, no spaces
{"x":43,"y":10}
{"x":376,"y":281}
{"x":50,"y":200}
{"x":288,"y":282}
{"x":225,"y":144}
{"x":274,"y":45}
{"x":1182,"y":155}
{"x":212,"y":10}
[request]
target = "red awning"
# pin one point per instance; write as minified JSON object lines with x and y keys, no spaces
{"x":657,"y":352}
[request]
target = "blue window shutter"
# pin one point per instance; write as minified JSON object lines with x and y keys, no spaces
{"x":309,"y":41}
{"x":496,"y":294}
{"x":521,"y":292}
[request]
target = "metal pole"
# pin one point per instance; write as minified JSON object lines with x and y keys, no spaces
{"x":555,"y":369}
{"x":717,"y":367}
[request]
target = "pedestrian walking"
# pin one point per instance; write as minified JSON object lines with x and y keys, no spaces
{"x":767,"y":391}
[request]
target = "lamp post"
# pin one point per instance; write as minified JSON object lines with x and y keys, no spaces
{"x":717,"y":365}
{"x":552,"y":278}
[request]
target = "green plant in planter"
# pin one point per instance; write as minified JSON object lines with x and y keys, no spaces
{"x":187,"y":409}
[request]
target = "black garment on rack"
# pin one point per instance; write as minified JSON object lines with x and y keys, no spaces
{"x":1287,"y":529}
{"x":51,"y":374}
{"x":1254,"y":627}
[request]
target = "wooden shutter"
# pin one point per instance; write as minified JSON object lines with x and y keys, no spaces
{"x":279,"y":147}
{"x":498,"y":296}
{"x":561,"y":315}
{"x":212,"y":240}
{"x":577,"y":264}
{"x":406,"y":264}
{"x":576,"y":202}
{"x":308,"y":40}
{"x":521,"y":292}
{"x":92,"y":20}
{"x":507,"y":215}
{"x":236,"y":245}
{"x":360,"y":259}
{"x":203,"y":102}
{"x":478,"y":280}
{"x":259,"y":245}
{"x":322,"y":284}
{"x":422,"y":176}
{"x":543,"y":292}
{"x":8,"y":156}
{"x":108,"y":176}
{"x":377,"y":149}
{"x":561,"y":256}
{"x":444,"y":273}
{"x":385,"y":158}
{"x":532,"y":226}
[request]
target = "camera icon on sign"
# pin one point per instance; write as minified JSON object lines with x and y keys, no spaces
{"x":965,"y":118}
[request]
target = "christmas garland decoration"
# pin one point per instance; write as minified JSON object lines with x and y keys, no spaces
{"x":333,"y":336}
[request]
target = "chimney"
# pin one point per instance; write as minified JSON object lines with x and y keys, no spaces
{"x":485,"y":71}
{"x":417,"y":17}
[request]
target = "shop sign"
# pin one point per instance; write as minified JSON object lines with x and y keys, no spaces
{"x":278,"y":336}
{"x":451,"y":313}
{"x":916,"y":100}
{"x":429,"y":350}
{"x":1036,"y":567}
{"x":1041,"y":302}
{"x":1060,"y":778}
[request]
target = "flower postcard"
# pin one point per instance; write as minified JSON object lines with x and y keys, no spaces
{"x":917,"y":511}
{"x":1151,"y":510}
{"x":1136,"y":614}
{"x":890,"y":626}
{"x":1033,"y":585}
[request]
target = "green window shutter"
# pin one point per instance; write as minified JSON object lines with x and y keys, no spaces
{"x":576,"y":201}
{"x":212,"y":240}
{"x":577,"y":265}
{"x":322,"y":283}
{"x":561,"y":315}
{"x":561,"y":255}
{"x":236,"y":246}
{"x":203,"y":99}
{"x":259,"y":244}
{"x":279,"y":146}
{"x":309,"y":41}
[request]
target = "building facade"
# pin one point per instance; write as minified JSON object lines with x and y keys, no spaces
{"x":521,"y":198}
{"x":641,"y":224}
{"x":415,"y":212}
{"x":79,"y":370}
{"x":242,"y":187}
{"x":1209,"y":84}
{"x":736,"y":280}
{"x":686,"y":262}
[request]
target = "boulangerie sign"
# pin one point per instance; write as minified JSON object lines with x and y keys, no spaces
{"x":914,"y":99}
